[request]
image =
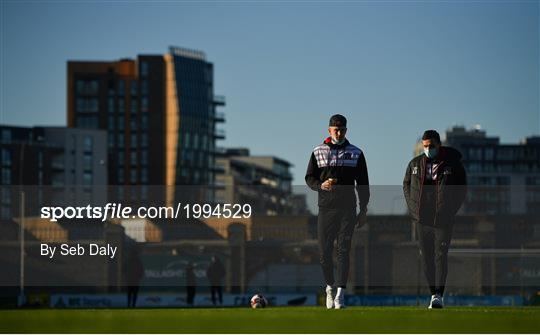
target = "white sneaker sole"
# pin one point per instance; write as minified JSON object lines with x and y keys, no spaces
{"x":329,"y":301}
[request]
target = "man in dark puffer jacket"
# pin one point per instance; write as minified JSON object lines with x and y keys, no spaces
{"x":435,"y":188}
{"x":335,"y":170}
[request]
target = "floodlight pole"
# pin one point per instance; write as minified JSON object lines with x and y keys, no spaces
{"x":21,"y":236}
{"x":22,"y":298}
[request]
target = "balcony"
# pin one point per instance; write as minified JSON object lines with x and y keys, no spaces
{"x":219,"y":134}
{"x":58,"y":164}
{"x":219,"y":117}
{"x":219,"y":100}
{"x":220,"y":150}
{"x":217,"y":185}
{"x":218,"y":168}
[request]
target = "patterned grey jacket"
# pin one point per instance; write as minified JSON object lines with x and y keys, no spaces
{"x":347,"y":164}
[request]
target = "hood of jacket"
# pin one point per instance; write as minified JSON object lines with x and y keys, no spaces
{"x":449,"y":154}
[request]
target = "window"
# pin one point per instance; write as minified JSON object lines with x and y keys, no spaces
{"x":6,"y":195}
{"x":121,"y":193}
{"x":87,"y":87}
{"x":134,"y":193}
{"x":505,"y":154}
{"x":120,"y":140}
{"x":133,"y":106}
{"x":86,"y":105}
{"x":532,"y":181}
{"x":79,"y":86}
{"x":144,"y":87}
{"x":144,"y":69}
{"x":144,"y":122}
{"x":201,"y":159}
{"x":120,"y":158}
{"x":144,"y":140}
{"x":6,"y":157}
{"x":81,"y":106}
{"x":87,"y":121}
{"x":121,"y":106}
{"x":121,"y":122}
{"x":475,"y":153}
{"x":110,"y":104}
{"x":133,"y":176}
{"x":88,"y":143}
{"x":110,"y":139}
{"x":144,"y":157}
{"x":195,"y":141}
{"x":93,"y":87}
{"x":6,"y":135}
{"x":133,"y":142}
{"x":6,"y":212}
{"x":144,"y":192}
{"x":134,"y":87}
{"x":121,"y":87}
{"x":6,"y":176}
{"x":144,"y":104}
{"x":488,"y":153}
{"x":110,"y":123}
{"x":204,"y":142}
{"x":87,"y":162}
{"x":134,"y":158}
{"x":474,"y":167}
{"x":111,"y":86}
{"x":144,"y":175}
{"x":87,"y":178}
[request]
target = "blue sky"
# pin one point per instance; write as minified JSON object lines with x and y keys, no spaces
{"x":393,"y":68}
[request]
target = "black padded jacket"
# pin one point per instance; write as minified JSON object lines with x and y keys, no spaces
{"x":450,"y":185}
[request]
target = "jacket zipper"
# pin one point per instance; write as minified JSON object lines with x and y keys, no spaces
{"x":423,"y":171}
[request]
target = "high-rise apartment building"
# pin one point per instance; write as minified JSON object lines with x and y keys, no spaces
{"x":57,"y":165}
{"x":161,"y":118}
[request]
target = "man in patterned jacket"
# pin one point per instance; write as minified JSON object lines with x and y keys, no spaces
{"x":335,"y":170}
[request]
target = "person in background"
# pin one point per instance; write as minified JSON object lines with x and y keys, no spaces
{"x":191,"y":284}
{"x":134,"y":274}
{"x":215,"y":274}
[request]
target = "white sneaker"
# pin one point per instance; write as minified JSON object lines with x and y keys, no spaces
{"x":339,"y":300}
{"x":329,"y":297}
{"x":436,"y":302}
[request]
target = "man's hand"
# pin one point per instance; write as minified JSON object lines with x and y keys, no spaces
{"x":361,"y":220}
{"x":328,"y":184}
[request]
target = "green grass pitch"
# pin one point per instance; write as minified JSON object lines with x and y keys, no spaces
{"x":275,"y":320}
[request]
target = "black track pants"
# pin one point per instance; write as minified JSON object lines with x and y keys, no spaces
{"x":434,"y":242}
{"x":335,"y":224}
